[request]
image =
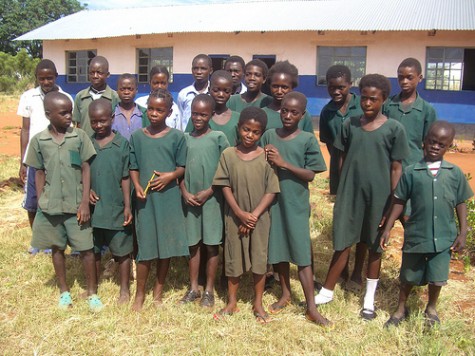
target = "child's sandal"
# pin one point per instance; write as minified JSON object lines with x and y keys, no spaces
{"x":95,"y":304}
{"x":65,"y":301}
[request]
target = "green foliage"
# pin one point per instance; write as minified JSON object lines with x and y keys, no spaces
{"x":21,"y":16}
{"x":17,"y":73}
{"x":470,"y":246}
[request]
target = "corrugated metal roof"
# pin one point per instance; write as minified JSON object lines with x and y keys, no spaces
{"x":336,"y":15}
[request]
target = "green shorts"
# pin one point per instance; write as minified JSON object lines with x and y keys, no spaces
{"x":425,"y":268}
{"x":120,"y":242}
{"x":60,"y":231}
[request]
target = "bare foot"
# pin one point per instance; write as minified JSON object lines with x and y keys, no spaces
{"x":138,"y":303}
{"x":123,"y":298}
{"x":279,"y":306}
{"x":157,"y":302}
{"x":315,"y":317}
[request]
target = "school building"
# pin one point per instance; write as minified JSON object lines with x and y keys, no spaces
{"x":369,"y":36}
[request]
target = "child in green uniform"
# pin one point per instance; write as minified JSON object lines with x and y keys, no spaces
{"x":235,"y":66}
{"x":203,"y":206}
{"x":98,"y":74}
{"x":61,"y":156}
{"x":373,"y":147}
{"x":249,"y":185}
{"x":435,"y":187}
{"x":297,"y":157}
{"x":255,"y":75}
{"x":283,"y":78}
{"x":157,"y":160}
{"x":110,"y":193}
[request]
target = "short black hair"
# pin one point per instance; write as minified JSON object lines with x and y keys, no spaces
{"x":101,"y":104}
{"x":444,"y":125}
{"x":377,"y":81}
{"x":258,"y":63}
{"x":129,"y":76}
{"x":287,"y":68}
{"x":301,"y":98}
{"x":100,"y":60}
{"x":205,"y":98}
{"x":221,"y":74}
{"x":161,"y":94}
{"x":46,"y":64}
{"x":412,"y":63}
{"x":338,"y":71}
{"x":253,"y":113}
{"x":157,"y":70}
{"x":235,"y":59}
{"x":52,"y":97}
{"x":205,"y":57}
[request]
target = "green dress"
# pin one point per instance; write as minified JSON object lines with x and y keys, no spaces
{"x":235,"y":102}
{"x":159,"y":219}
{"x":229,"y":128}
{"x":289,"y":239}
{"x":274,"y":121}
{"x":365,"y":181}
{"x":204,"y":222}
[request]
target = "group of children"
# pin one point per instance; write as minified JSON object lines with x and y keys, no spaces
{"x":113,"y":170}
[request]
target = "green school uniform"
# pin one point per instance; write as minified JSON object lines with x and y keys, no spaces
{"x":204,"y":222}
{"x":331,"y":120}
{"x":108,"y":168}
{"x":249,"y":181}
{"x":274,"y":121}
{"x":365,"y":181}
{"x":159,"y":219}
{"x":289,"y":239}
{"x":431,"y":226}
{"x":416,"y":119}
{"x":81,"y":107}
{"x":229,"y":129}
{"x":235,"y":102}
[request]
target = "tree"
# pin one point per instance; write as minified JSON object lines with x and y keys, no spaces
{"x":20,"y":16}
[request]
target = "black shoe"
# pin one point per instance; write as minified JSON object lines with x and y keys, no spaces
{"x":207,"y":300}
{"x":190,"y":296}
{"x":394,"y":321}
{"x":368,"y":314}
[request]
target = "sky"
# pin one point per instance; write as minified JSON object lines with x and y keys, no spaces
{"x":108,"y":4}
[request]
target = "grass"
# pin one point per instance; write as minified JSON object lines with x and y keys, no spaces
{"x":30,"y":323}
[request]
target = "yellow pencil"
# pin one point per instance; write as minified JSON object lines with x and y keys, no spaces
{"x":148,"y":185}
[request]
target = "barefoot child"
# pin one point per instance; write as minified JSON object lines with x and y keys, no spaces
{"x":297,"y":157}
{"x":249,"y":185}
{"x":61,"y":155}
{"x":255,"y":74}
{"x":110,"y":193}
{"x":157,"y":160}
{"x":203,"y":206}
{"x":372,"y":149}
{"x":430,"y":234}
{"x":31,"y":109}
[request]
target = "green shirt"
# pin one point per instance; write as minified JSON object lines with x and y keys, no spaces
{"x":274,"y":121}
{"x":235,"y":102}
{"x":431,"y":226}
{"x":108,"y":168}
{"x":81,"y":107}
{"x":416,"y":120}
{"x":61,"y":162}
{"x":229,"y":129}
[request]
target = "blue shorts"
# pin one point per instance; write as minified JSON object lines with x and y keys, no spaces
{"x":30,"y":201}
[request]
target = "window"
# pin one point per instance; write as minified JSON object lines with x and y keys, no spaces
{"x":150,"y":57}
{"x":352,"y":57}
{"x":450,"y":68}
{"x":218,"y":60}
{"x":268,"y":59}
{"x":77,"y":63}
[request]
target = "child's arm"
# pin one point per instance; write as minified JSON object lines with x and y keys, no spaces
{"x":265,"y":202}
{"x":396,"y":172}
{"x":203,"y":195}
{"x":24,"y":137}
{"x":248,"y":219}
{"x":40,"y":179}
{"x":93,"y":197}
{"x":459,"y":243}
{"x":135,"y":176}
{"x":396,"y":210}
{"x":274,"y":157}
{"x":125,"y":185}
{"x":187,"y":196}
{"x":164,"y":178}
{"x":84,"y":214}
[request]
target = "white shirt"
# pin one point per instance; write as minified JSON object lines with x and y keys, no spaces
{"x":185,"y":97}
{"x":172,"y":121}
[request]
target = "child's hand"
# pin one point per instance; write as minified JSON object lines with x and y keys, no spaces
{"x":93,"y":197}
{"x":202,"y":196}
{"x":139,"y":193}
{"x":189,"y":198}
{"x":248,"y":219}
{"x":127,"y":216}
{"x":83,"y":214}
{"x":244,"y":230}
{"x":22,"y":173}
{"x":459,"y":244}
{"x":161,"y":180}
{"x":384,"y":239}
{"x":273,"y":156}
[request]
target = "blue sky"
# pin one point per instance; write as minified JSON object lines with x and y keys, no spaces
{"x":107,"y":4}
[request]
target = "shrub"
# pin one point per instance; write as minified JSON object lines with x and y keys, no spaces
{"x":17,"y":73}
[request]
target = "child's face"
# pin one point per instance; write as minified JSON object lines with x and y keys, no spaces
{"x":201,"y":113}
{"x":201,"y":70}
{"x":436,"y":143}
{"x":101,"y":122}
{"x":60,"y":114}
{"x":46,"y":79}
{"x":157,"y":111}
{"x":254,"y":78}
{"x":221,"y":90}
{"x":98,"y":74}
{"x":338,"y":89}
{"x":408,"y":79}
{"x":250,"y":132}
{"x":126,"y":89}
{"x":280,"y":85}
{"x":159,"y":81}
{"x":372,"y":100}
{"x":291,"y":112}
{"x":236,"y":70}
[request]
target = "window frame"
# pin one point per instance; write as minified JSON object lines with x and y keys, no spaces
{"x":325,"y":61}
{"x":81,"y":67}
{"x":152,"y":61}
{"x":443,"y":64}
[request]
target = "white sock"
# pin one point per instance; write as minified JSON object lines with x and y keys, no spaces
{"x":324,"y":296}
{"x":371,"y":285}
